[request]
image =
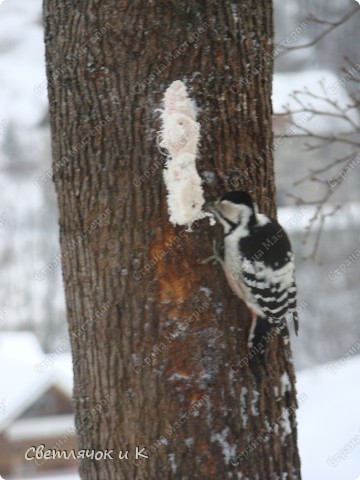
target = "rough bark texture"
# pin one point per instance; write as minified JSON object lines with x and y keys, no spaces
{"x":131,"y":279}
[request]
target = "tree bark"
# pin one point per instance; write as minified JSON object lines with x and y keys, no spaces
{"x":158,"y":339}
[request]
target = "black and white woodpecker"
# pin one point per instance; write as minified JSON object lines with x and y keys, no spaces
{"x":258,"y":260}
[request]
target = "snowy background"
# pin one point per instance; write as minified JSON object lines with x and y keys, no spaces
{"x":326,"y":352}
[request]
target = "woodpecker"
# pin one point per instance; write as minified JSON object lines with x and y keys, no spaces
{"x":258,"y":260}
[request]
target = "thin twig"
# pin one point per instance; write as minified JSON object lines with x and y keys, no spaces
{"x":327,"y":138}
{"x":333,"y":26}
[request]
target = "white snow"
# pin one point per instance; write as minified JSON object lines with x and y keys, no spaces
{"x":20,"y":357}
{"x":285,"y":383}
{"x":243,"y":413}
{"x":41,"y":427}
{"x":229,"y":451}
{"x":255,"y":403}
{"x":189,"y":442}
{"x":329,"y":422}
{"x":172,"y":462}
{"x":285,"y":423}
{"x":179,"y":376}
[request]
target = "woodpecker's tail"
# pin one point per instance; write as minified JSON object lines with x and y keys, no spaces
{"x":263,"y":331}
{"x":296,"y":321}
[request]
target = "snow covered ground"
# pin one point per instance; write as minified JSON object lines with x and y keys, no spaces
{"x":329,"y":420}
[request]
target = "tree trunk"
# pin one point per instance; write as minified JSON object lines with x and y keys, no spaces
{"x":158,"y":339}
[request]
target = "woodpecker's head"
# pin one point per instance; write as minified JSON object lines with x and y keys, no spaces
{"x":233,"y":209}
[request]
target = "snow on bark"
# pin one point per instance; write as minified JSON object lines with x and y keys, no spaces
{"x":180,"y":136}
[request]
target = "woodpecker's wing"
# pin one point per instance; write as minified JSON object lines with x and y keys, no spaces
{"x":268,"y":270}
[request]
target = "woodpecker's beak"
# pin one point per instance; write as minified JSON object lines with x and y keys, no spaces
{"x":211,"y":205}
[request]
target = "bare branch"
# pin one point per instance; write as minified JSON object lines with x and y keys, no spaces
{"x":310,"y":110}
{"x":322,"y":218}
{"x":326,"y":138}
{"x":325,"y":169}
{"x":332,"y":26}
{"x":331,"y":184}
{"x":312,"y":18}
{"x":319,"y":217}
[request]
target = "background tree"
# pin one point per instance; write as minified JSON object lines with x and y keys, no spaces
{"x":326,"y":106}
{"x":159,"y":340}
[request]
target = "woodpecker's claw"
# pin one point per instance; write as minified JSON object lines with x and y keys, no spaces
{"x":215,"y":257}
